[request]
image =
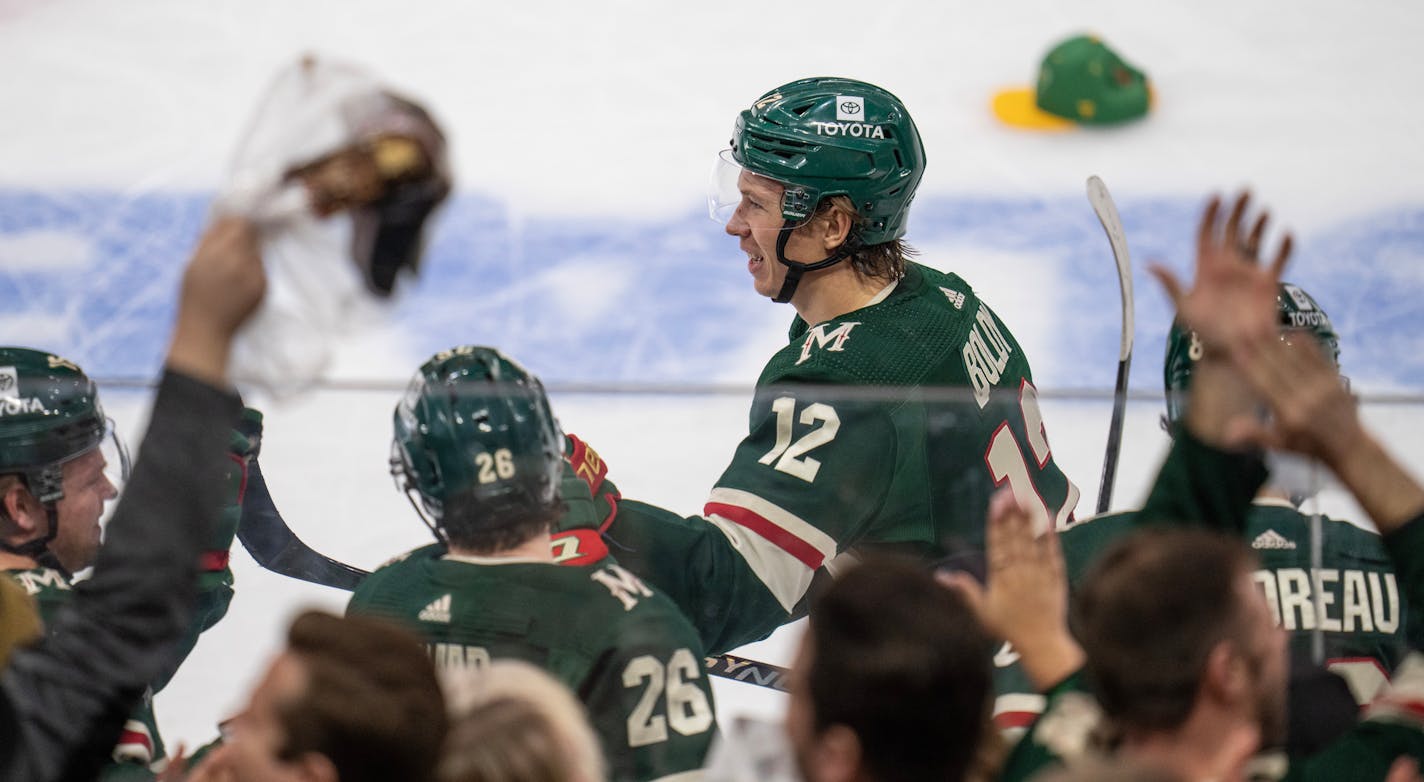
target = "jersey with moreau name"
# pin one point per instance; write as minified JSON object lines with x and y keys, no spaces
{"x":887,"y":427}
{"x":1196,"y":482}
{"x":625,"y":650}
{"x":1350,"y":600}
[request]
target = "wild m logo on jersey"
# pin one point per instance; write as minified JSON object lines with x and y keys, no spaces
{"x":623,"y":585}
{"x":37,"y":581}
{"x":986,"y":353}
{"x":819,"y":337}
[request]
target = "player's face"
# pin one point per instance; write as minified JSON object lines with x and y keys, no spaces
{"x":756,"y":223}
{"x":254,"y":738}
{"x":86,"y":489}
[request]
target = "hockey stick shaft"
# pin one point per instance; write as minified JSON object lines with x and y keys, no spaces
{"x":1106,"y":211}
{"x":273,"y":545}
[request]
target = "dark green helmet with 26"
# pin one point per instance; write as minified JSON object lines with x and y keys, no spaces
{"x":823,"y":137}
{"x":49,"y":414}
{"x":1298,"y":311}
{"x":476,"y":442}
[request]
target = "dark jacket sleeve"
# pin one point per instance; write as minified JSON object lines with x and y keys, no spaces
{"x":66,"y":698}
{"x":1199,"y":485}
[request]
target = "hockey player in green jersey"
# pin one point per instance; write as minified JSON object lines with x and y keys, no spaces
{"x":57,"y":454}
{"x":480,"y":455}
{"x":1175,"y":659}
{"x":898,"y":403}
{"x":1359,"y":622}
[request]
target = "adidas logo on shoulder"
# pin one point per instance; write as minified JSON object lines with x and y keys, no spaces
{"x":1270,"y":539}
{"x":437,"y":611}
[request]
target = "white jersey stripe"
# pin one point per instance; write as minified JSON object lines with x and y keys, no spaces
{"x":786,"y":520}
{"x":784,"y":575}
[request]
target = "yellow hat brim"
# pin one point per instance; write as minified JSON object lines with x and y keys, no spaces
{"x":1018,"y":108}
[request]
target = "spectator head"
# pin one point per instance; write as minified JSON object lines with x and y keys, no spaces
{"x":1171,"y":619}
{"x":512,"y":722}
{"x":53,"y":480}
{"x":353,"y":699}
{"x":478,"y":451}
{"x":892,"y":679}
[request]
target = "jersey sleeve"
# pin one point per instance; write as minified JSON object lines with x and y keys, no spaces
{"x":1062,"y":736}
{"x":1198,"y":484}
{"x":803,"y":485}
{"x":651,"y":703}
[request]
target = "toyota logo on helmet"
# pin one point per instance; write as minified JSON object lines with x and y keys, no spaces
{"x":850,"y":107}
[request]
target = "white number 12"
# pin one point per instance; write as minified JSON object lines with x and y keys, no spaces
{"x":787,"y":455}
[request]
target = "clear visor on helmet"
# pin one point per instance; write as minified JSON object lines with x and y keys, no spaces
{"x":724,"y":191}
{"x":117,"y":465}
{"x":723,"y":195}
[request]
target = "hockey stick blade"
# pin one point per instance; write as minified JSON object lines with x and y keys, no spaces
{"x":273,"y":545}
{"x":1106,"y":211}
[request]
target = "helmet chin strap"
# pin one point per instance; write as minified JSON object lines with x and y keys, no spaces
{"x":794,"y":269}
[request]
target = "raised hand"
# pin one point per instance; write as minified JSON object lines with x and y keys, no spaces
{"x":1232,"y":297}
{"x":222,"y":286}
{"x":1025,"y":599}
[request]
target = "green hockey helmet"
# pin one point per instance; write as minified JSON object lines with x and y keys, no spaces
{"x":474,"y":431}
{"x":49,"y":414}
{"x":825,"y":136}
{"x":1298,"y":311}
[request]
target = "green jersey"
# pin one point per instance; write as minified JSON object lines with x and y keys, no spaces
{"x":1349,"y":603}
{"x":887,"y":427}
{"x":625,"y":650}
{"x":140,"y":744}
{"x":1393,"y":725}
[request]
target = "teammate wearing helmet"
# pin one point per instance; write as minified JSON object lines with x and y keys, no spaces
{"x":479,"y":453}
{"x":898,"y":404}
{"x":1349,"y":601}
{"x":56,"y":448}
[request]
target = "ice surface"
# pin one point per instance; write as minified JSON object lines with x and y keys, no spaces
{"x":583,"y":134}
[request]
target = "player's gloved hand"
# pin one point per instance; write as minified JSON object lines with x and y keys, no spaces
{"x":591,"y":504}
{"x":243,"y":445}
{"x":587,"y":466}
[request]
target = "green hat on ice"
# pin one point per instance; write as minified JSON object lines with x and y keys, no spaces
{"x":1081,"y":82}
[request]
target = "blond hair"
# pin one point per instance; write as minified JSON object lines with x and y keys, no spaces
{"x":512,"y":722}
